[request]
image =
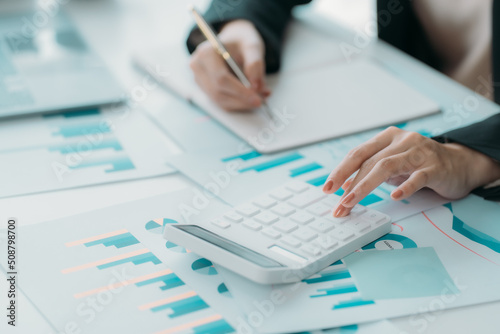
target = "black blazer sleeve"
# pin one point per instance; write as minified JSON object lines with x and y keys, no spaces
{"x":269,"y":17}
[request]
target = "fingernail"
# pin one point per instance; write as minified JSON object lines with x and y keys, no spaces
{"x":340,"y":211}
{"x":328,"y":185}
{"x":347,"y":199}
{"x":397,"y":194}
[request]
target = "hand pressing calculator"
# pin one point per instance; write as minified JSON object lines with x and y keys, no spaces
{"x":283,"y":236}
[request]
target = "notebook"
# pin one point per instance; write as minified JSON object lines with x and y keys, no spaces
{"x":317,"y":95}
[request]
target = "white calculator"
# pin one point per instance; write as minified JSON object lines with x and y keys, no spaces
{"x":283,"y":236}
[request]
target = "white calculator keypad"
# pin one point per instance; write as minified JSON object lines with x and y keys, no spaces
{"x":298,"y":217}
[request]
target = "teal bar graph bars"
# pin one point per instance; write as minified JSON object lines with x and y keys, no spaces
{"x":370,"y":199}
{"x":244,"y":156}
{"x":183,"y":306}
{"x":86,"y":146}
{"x":305,"y":169}
{"x":136,"y":259}
{"x":336,"y":290}
{"x":215,"y":327}
{"x":318,"y":181}
{"x":118,"y":164}
{"x":75,"y":130}
{"x":118,"y":241}
{"x":75,"y":113}
{"x":170,"y":281}
{"x":327,"y":277}
{"x":353,"y":303}
{"x":273,"y":163}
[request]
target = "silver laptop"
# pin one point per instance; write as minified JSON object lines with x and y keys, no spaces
{"x":46,"y":66}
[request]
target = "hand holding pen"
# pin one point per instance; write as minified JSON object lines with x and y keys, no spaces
{"x":219,"y":77}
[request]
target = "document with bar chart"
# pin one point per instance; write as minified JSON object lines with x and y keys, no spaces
{"x":118,"y":274}
{"x":79,"y":148}
{"x":111,"y":279}
{"x":410,"y":271}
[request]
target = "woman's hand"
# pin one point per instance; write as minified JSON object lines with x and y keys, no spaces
{"x":246,"y":46}
{"x":412,"y":162}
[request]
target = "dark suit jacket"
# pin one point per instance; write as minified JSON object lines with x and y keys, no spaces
{"x":398,"y":25}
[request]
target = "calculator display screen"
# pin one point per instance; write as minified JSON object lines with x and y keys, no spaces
{"x":229,"y":246}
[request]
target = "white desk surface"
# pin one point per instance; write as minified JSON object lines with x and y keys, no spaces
{"x":114,"y":29}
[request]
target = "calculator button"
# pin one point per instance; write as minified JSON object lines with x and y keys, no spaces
{"x":252,"y":225}
{"x":302,"y":218}
{"x":359,"y":225}
{"x":341,"y":234}
{"x":322,"y":225}
{"x":271,"y":233}
{"x":311,"y":250}
{"x":327,"y":242}
{"x":373,"y":217}
{"x":234,"y":217}
{"x":297,"y":187}
{"x":220,"y":223}
{"x":357,"y":210}
{"x":247,"y":210}
{"x":305,"y":234}
{"x":291,"y":241}
{"x":319,"y":209}
{"x":265,"y":202}
{"x":266,"y":218}
{"x":331,"y":200}
{"x":338,"y":221}
{"x":283,"y":210}
{"x":306,"y":199}
{"x":281,"y":194}
{"x":285,"y":226}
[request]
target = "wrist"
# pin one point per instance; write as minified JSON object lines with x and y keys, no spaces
{"x":236,"y":24}
{"x":478,"y":168}
{"x":240,"y":31}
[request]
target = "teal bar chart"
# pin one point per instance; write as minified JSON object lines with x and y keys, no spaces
{"x":79,"y":148}
{"x":273,"y":163}
{"x":118,"y":241}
